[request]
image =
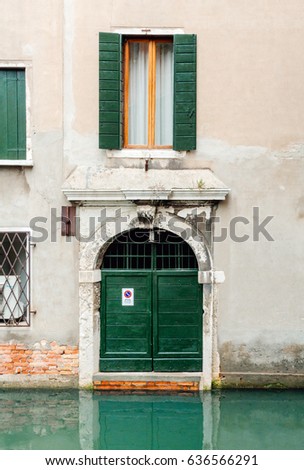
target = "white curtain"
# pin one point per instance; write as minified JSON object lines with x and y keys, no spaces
{"x":164,"y":94}
{"x":138,"y":94}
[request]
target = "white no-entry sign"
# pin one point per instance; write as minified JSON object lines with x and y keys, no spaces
{"x":127,"y":296}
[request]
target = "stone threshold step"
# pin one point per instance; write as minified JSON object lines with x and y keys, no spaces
{"x":184,"y":381}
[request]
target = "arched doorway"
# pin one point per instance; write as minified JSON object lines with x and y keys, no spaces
{"x":151,"y":304}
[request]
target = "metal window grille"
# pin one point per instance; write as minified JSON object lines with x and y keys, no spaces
{"x":149,"y":249}
{"x":14,"y":279}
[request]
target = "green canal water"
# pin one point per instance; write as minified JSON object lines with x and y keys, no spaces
{"x":231,"y":419}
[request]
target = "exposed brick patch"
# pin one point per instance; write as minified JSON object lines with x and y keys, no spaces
{"x":145,"y":385}
{"x":42,"y":358}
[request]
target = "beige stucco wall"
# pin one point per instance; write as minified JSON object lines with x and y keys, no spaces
{"x":249,"y":64}
{"x":250,"y":133}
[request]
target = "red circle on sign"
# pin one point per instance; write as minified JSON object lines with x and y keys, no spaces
{"x":128,"y":294}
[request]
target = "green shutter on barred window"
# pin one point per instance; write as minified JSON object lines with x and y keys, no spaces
{"x":12,"y":114}
{"x":110,"y":91}
{"x":184,"y":127}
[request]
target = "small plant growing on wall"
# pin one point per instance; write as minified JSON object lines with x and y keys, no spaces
{"x":200,"y":184}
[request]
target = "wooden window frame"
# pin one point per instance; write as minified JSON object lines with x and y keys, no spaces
{"x":151,"y":92}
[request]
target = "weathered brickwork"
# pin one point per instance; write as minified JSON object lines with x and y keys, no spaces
{"x":145,"y":385}
{"x":41,"y":358}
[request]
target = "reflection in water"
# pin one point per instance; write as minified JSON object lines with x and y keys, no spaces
{"x":150,"y":422}
{"x":213,"y":420}
{"x":35,"y":419}
{"x":260,"y":420}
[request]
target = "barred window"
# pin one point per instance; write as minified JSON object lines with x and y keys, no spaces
{"x":14,"y":279}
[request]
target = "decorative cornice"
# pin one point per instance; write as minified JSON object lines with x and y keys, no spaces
{"x":104,"y":186}
{"x":86,"y":196}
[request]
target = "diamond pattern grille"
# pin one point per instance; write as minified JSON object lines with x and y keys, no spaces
{"x":14,"y":279}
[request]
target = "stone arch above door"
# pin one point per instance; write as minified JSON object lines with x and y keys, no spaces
{"x":92,"y":252}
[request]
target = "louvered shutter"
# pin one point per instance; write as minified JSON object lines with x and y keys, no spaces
{"x":12,"y":115}
{"x":184,"y":127}
{"x":110,"y":91}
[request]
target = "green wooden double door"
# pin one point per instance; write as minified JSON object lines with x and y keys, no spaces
{"x":151,"y":321}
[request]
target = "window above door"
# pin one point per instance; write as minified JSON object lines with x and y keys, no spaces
{"x":147,"y":92}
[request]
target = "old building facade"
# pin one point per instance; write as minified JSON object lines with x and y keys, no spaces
{"x":152,"y":205}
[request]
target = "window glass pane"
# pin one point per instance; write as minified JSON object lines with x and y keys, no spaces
{"x":164,"y":94}
{"x":138,"y":93}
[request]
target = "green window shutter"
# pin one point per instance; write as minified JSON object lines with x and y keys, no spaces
{"x":21,"y":118}
{"x":12,"y":115}
{"x":184,"y":127}
{"x":110,"y":91}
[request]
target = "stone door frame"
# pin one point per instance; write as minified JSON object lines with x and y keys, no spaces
{"x":90,"y":260}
